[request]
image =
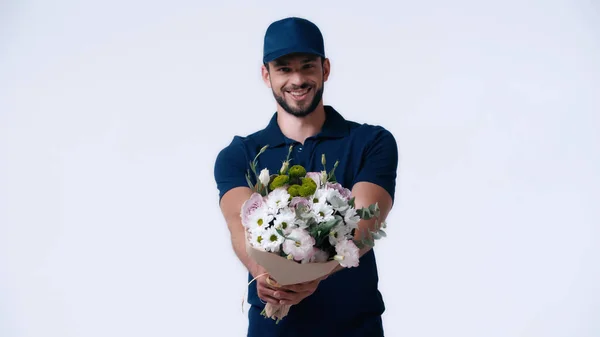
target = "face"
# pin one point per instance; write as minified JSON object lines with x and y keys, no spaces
{"x":297,"y":82}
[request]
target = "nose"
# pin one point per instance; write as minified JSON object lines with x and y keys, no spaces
{"x":296,"y":79}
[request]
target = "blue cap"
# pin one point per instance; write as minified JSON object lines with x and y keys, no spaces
{"x":292,"y":35}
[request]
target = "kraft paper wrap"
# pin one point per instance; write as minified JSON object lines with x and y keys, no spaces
{"x":287,"y":272}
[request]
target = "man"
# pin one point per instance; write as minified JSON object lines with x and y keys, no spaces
{"x":347,"y":302}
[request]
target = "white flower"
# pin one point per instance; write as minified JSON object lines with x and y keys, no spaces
{"x":351,"y":218}
{"x":257,"y":237}
{"x":260,"y":218}
{"x":285,"y":220}
{"x":277,"y":199}
{"x":271,"y":240}
{"x":337,"y":201}
{"x":320,"y":196}
{"x":323,"y":212}
{"x":264,"y":177}
{"x":338,"y":233}
{"x":299,"y":244}
{"x":347,"y":253}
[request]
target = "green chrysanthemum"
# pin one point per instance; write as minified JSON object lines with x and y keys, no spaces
{"x":294,"y":190}
{"x":308,"y":187}
{"x":279,"y":181}
{"x":297,"y":171}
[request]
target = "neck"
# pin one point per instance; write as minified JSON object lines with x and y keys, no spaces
{"x":300,"y":128}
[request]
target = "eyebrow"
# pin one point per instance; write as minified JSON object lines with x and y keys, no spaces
{"x":282,"y":63}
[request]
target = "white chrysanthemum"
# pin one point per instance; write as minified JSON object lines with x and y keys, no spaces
{"x":278,"y":199}
{"x":323,"y":212}
{"x":320,"y":196}
{"x":256,"y":238}
{"x":299,"y":244}
{"x":272,"y":240}
{"x":347,"y":253}
{"x":259,"y":219}
{"x":285,"y":220}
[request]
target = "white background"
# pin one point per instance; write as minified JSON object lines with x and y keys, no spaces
{"x":112,"y":113}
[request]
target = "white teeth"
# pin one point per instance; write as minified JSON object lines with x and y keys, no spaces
{"x":298,"y":93}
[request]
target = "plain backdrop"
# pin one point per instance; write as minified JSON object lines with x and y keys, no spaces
{"x":112,"y":113}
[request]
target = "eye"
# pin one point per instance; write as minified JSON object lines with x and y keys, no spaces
{"x":307,"y":66}
{"x":283,"y":69}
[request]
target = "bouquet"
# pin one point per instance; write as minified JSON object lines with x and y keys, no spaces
{"x":300,"y":225}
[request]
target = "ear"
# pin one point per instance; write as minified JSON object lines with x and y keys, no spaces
{"x":266,"y":77}
{"x":326,"y":69}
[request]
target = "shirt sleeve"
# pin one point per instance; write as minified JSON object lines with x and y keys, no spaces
{"x":379,"y":162}
{"x":231,"y":167}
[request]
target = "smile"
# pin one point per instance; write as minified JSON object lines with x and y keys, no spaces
{"x":299,"y":95}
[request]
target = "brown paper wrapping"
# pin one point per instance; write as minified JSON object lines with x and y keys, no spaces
{"x":287,"y":272}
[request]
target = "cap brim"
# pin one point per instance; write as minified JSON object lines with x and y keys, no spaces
{"x":287,"y":51}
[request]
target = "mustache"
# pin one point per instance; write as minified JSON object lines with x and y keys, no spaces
{"x":296,"y":87}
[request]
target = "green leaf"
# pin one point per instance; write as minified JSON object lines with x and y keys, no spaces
{"x":359,"y":244}
{"x":249,"y":182}
{"x":280,"y":232}
{"x":370,"y":242}
{"x":351,"y":202}
{"x":364,"y":213}
{"x":376,"y":235}
{"x":326,"y":227}
{"x":382,"y":233}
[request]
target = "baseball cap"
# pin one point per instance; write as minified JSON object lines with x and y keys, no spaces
{"x":292,"y":35}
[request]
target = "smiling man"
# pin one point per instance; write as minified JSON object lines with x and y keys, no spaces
{"x":347,"y":302}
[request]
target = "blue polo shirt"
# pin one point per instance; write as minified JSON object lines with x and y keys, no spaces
{"x":348,"y":303}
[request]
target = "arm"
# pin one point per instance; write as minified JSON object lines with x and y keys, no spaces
{"x":376,"y":182}
{"x":231,"y":204}
{"x":230,"y":169}
{"x":366,"y":194}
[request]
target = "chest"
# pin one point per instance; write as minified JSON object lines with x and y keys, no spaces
{"x":309,"y":154}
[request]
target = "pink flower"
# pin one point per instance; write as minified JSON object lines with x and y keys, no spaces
{"x":319,"y":255}
{"x":299,"y":201}
{"x":344,"y":192}
{"x":299,"y":244}
{"x":255,"y":202}
{"x":347,"y":253}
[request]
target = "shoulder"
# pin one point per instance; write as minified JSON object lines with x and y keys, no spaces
{"x":241,"y":147}
{"x":372,"y":134}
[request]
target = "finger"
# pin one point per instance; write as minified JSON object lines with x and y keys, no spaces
{"x":295,"y":298}
{"x":267,"y":296}
{"x":269,"y":299}
{"x":302,"y":287}
{"x":280,"y":294}
{"x":266,"y":285}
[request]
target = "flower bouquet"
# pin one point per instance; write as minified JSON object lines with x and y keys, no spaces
{"x":300,"y":225}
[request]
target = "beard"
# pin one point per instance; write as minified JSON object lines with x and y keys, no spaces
{"x":301,"y":111}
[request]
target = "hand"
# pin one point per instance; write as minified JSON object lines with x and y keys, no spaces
{"x":271,"y":292}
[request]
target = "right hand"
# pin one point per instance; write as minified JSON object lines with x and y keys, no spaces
{"x":266,"y":291}
{"x":269,"y":291}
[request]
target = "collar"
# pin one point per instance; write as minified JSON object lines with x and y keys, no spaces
{"x":335,"y":126}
